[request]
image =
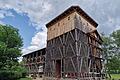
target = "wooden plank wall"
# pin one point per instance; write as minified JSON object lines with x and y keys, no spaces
{"x":61,"y":27}
{"x":67,"y":24}
{"x":83,"y":24}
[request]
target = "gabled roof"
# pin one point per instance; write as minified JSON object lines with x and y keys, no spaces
{"x":43,"y":49}
{"x":69,"y":11}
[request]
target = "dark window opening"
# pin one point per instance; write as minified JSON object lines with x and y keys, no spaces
{"x":58,"y":24}
{"x":69,"y":18}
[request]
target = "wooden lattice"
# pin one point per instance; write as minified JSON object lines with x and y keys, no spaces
{"x":74,"y":52}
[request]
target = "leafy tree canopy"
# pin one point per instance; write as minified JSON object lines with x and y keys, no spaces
{"x":10,"y":49}
{"x":111,"y":48}
{"x":10,"y":44}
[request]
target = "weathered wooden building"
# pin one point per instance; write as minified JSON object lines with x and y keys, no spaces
{"x":35,"y":62}
{"x":73,"y":49}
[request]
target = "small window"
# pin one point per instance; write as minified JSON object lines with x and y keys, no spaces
{"x":83,"y":23}
{"x":90,"y":29}
{"x":69,"y":18}
{"x":80,"y":18}
{"x":58,"y":24}
{"x":87,"y":24}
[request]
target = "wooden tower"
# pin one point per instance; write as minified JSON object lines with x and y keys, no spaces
{"x":73,"y":47}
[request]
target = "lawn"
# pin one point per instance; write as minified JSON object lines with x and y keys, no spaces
{"x":115,"y":76}
{"x":25,"y":79}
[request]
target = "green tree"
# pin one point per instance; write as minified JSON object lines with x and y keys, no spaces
{"x":116,"y":42}
{"x":111,"y":48}
{"x":10,"y":49}
{"x":113,"y":65}
{"x":106,"y":47}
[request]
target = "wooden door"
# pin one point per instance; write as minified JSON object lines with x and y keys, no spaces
{"x":58,"y":68}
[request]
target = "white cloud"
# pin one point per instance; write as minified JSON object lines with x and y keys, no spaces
{"x":35,"y":10}
{"x":105,"y":12}
{"x":99,"y":10}
{"x":4,"y":13}
{"x":38,"y":42}
{"x":40,"y":37}
{"x":1,"y":15}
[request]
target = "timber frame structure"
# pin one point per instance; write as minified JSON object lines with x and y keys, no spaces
{"x":73,"y":49}
{"x":35,"y":62}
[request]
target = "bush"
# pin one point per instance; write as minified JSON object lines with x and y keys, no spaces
{"x":8,"y":75}
{"x":14,"y":74}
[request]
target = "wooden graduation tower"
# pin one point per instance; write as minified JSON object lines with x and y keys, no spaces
{"x":73,"y":47}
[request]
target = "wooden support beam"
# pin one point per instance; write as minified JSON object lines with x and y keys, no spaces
{"x":73,"y":65}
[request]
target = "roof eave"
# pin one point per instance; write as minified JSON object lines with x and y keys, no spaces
{"x":69,"y":11}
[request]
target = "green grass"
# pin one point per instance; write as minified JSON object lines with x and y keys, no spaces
{"x":115,"y":76}
{"x":25,"y":79}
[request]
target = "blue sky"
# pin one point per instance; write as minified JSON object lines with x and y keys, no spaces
{"x":30,"y":17}
{"x":21,"y":21}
